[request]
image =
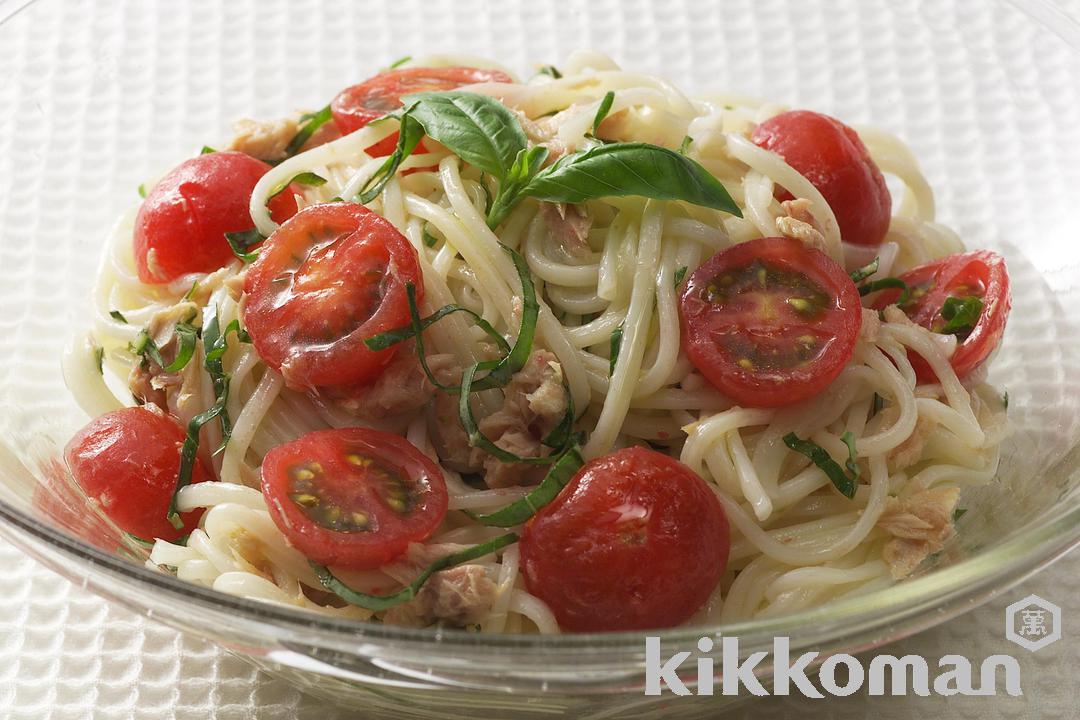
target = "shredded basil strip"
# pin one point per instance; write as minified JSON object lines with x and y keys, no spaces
{"x":132,"y":538}
{"x":680,"y":274}
{"x":603,"y":110}
{"x":876,"y":405}
{"x":865,"y":271}
{"x":409,"y":135}
{"x":616,"y":345}
{"x":186,"y":335}
{"x":311,"y":123}
{"x":684,"y":146}
{"x":99,"y":358}
{"x":390,"y":338}
{"x":840,"y":480}
{"x":961,"y":315}
{"x":376,"y":603}
{"x":851,"y":464}
{"x":216,"y":343}
{"x":521,"y":510}
{"x":206,"y":150}
{"x":551,"y":71}
{"x":142,"y":190}
{"x":241,"y":242}
{"x":116,"y":315}
{"x":1005,"y":400}
{"x":399,"y":62}
{"x":886,"y":284}
{"x":958,"y":513}
{"x":429,"y":239}
{"x":304,"y":178}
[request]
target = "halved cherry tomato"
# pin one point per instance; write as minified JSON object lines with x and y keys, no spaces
{"x":127,"y":462}
{"x":356,"y":106}
{"x":328,"y":279}
{"x":182,"y":223}
{"x":833,"y":158}
{"x":769,"y":321}
{"x":634,"y":541}
{"x":353,"y":497}
{"x":980,"y":274}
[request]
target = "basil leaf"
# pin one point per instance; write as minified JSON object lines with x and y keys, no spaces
{"x":304,"y":178}
{"x":399,"y":62}
{"x":240,"y":242}
{"x":478,"y":129}
{"x":526,"y":165}
{"x":551,"y":71}
{"x":116,"y":315}
{"x":409,"y":135}
{"x":142,"y":190}
{"x":186,"y":337}
{"x":886,"y":284}
{"x":865,"y":271}
{"x":622,"y":169}
{"x":616,"y":345}
{"x":521,"y":510}
{"x":961,"y":315}
{"x":384,"y":602}
{"x":680,"y":274}
{"x":603,"y":110}
{"x":206,"y":150}
{"x":819,"y":457}
{"x":311,"y":123}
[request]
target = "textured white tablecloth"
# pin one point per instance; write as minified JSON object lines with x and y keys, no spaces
{"x":65,"y":653}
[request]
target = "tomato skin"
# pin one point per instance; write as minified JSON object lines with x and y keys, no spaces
{"x":718,"y":336}
{"x":127,"y":462}
{"x":634,"y":541}
{"x":356,"y":106}
{"x":352,"y":486}
{"x":833,"y":158}
{"x":310,"y":320}
{"x":981,"y":273}
{"x":181,"y":225}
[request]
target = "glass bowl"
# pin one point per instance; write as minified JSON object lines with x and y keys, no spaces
{"x":95,"y":99}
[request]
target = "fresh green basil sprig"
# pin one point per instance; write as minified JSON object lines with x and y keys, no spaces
{"x":483,"y":132}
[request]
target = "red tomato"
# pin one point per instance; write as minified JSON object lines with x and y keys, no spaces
{"x":182,"y":223}
{"x":353,"y":497}
{"x":833,"y":158}
{"x":127,"y":462}
{"x":635,"y":541}
{"x":980,"y":274}
{"x":770,"y":321}
{"x":325,"y":281}
{"x":356,"y":106}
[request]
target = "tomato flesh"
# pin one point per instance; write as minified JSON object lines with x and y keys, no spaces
{"x":769,"y":321}
{"x":181,"y":225}
{"x":356,"y":106}
{"x":981,"y":274}
{"x":325,"y":281}
{"x":353,"y":498}
{"x":831,"y":156}
{"x":127,"y":463}
{"x":634,"y":541}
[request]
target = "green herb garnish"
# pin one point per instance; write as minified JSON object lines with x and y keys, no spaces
{"x":376,"y":603}
{"x":841,"y":481}
{"x":603,"y":110}
{"x":99,"y":358}
{"x":961,"y":315}
{"x":142,"y":190}
{"x":684,"y":146}
{"x":304,"y":178}
{"x":118,"y":316}
{"x":865,"y":271}
{"x":310,"y":122}
{"x":242,"y":242}
{"x":886,"y":284}
{"x":614,"y":347}
{"x":206,"y":150}
{"x":958,"y":513}
{"x":679,"y":275}
{"x":521,"y":510}
{"x":550,"y":71}
{"x":399,"y":62}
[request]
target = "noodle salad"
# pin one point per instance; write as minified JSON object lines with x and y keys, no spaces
{"x":575,"y":353}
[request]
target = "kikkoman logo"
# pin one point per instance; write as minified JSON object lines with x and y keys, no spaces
{"x":886,"y":675}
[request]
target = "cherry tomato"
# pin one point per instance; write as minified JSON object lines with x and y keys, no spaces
{"x":356,"y":106}
{"x":769,"y":321}
{"x":634,"y":541}
{"x":182,"y":223}
{"x":325,"y":281}
{"x":127,"y":462}
{"x":353,"y":497}
{"x":980,"y":274}
{"x":833,"y":158}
